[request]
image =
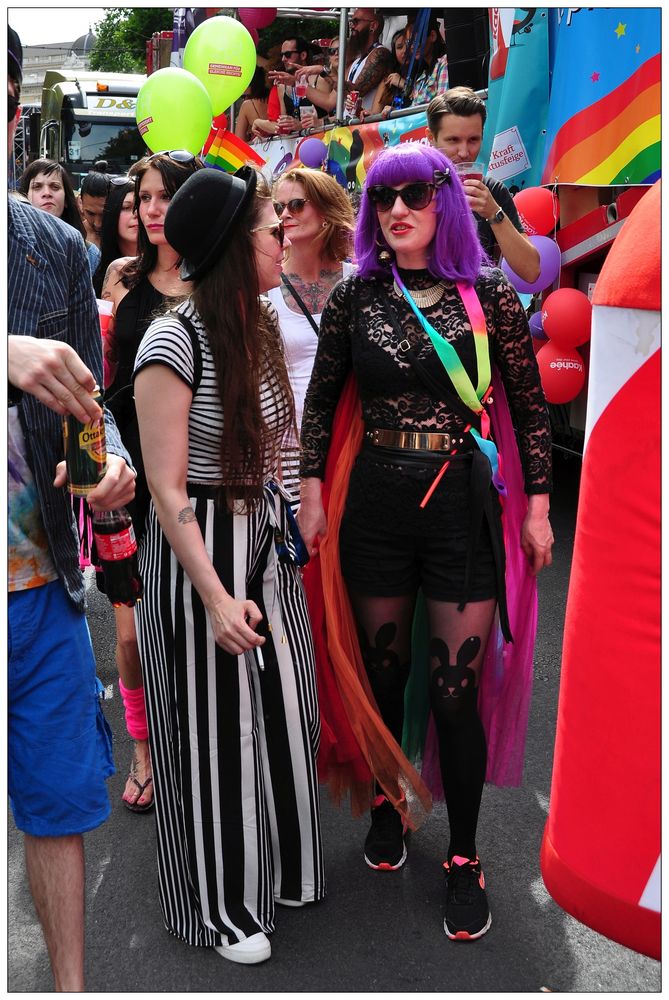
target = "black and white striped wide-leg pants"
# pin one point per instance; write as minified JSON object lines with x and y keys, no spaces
{"x":233,"y":747}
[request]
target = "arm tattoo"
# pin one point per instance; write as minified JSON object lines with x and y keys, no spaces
{"x":376,"y":67}
{"x":186,"y":515}
{"x":105,"y":293}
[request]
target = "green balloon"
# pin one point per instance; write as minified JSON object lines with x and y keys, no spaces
{"x":173,"y":111}
{"x":222,"y":54}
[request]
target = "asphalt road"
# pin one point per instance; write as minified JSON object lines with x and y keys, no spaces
{"x":375,"y":932}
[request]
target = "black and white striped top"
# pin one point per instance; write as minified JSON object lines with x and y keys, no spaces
{"x":168,"y":342}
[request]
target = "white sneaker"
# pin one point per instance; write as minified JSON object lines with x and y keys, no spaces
{"x":290,"y":902}
{"x":250,"y":951}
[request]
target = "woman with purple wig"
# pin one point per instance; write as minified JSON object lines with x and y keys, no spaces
{"x":424,"y":326}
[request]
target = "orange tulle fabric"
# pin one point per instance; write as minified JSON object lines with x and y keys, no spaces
{"x":342,"y":679}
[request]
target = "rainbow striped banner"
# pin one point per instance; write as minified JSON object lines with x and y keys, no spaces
{"x":604,"y":115}
{"x":351,"y":149}
{"x":224,"y":151}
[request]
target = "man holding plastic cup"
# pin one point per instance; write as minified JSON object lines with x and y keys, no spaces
{"x":455,"y":125}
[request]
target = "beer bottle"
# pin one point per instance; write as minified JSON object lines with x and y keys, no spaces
{"x":85,"y":451}
{"x":117,"y":554}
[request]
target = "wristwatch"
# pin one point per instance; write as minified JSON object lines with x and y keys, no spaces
{"x":325,"y":73}
{"x":496,"y":218}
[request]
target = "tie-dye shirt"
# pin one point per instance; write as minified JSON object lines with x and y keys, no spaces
{"x":29,"y":560}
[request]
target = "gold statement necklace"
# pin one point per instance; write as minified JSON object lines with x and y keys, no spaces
{"x":424,"y":297}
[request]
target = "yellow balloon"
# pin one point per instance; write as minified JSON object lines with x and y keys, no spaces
{"x":222,"y":55}
{"x":173,"y":111}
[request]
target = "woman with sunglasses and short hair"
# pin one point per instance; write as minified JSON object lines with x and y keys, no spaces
{"x":139,"y":287}
{"x":223,"y":625}
{"x":318,"y":219}
{"x":426,"y":328}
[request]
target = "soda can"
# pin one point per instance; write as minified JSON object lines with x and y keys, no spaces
{"x":352,"y":101}
{"x":85,"y":451}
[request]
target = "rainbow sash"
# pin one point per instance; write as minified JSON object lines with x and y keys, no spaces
{"x":474,"y":398}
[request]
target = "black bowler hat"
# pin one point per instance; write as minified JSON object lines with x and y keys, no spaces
{"x":203,"y":212}
{"x":14,"y":54}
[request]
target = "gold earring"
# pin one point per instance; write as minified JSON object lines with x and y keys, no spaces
{"x":384,"y":256}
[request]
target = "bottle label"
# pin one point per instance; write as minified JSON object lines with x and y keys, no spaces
{"x":92,"y":441}
{"x":120,"y":545}
{"x":85,"y":453}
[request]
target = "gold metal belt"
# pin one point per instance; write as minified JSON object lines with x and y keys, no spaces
{"x":413,"y":440}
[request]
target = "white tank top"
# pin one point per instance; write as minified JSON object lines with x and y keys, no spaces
{"x":300,"y":343}
{"x":354,"y":72}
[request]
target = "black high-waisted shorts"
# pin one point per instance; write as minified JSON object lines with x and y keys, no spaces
{"x":389,"y":546}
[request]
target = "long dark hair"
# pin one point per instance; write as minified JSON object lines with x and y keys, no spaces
{"x":245,"y":344}
{"x":71,"y":213}
{"x":173,"y":173}
{"x":109,"y":247}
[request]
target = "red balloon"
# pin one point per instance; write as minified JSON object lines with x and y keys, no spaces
{"x":539,"y":210}
{"x":220,"y":121}
{"x":257,"y":17}
{"x":562,"y":372}
{"x":566,"y":317}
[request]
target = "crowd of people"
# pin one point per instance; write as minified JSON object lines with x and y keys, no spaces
{"x":284,"y":381}
{"x":410,"y":72}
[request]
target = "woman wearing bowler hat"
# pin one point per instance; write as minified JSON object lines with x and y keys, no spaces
{"x":231,"y":693}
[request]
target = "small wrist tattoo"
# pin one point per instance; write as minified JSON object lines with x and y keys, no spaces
{"x":186,"y":515}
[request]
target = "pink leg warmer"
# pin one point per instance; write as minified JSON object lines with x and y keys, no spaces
{"x":135,"y":711}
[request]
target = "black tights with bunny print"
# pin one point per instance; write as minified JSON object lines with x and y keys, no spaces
{"x":457,"y":644}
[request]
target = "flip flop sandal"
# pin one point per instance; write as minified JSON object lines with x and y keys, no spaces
{"x":132,"y":806}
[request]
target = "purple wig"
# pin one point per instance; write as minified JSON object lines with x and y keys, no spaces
{"x":455,"y":252}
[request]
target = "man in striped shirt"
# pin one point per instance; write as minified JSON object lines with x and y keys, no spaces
{"x":59,"y":744}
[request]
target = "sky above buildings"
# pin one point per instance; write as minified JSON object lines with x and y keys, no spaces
{"x":41,"y":25}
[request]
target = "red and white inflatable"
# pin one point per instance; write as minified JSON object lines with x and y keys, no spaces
{"x":600,"y":857}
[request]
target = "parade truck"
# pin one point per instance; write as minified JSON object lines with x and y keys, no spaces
{"x":87,"y":116}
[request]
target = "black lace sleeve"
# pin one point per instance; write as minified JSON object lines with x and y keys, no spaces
{"x":331,"y":366}
{"x":512,"y":352}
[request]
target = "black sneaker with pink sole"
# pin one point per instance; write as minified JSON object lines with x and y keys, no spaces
{"x":385,"y":847}
{"x":466,"y":911}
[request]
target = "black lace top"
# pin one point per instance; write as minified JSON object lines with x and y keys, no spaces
{"x":356,"y":333}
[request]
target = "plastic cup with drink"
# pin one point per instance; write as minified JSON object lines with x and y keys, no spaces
{"x":470,"y":170}
{"x":105,"y":309}
{"x":301,"y":88}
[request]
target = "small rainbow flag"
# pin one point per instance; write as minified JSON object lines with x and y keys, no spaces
{"x":224,"y":151}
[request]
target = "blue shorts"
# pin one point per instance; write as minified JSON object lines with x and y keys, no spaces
{"x":60,"y":752}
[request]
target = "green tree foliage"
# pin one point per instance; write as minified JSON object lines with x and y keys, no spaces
{"x":122,"y":36}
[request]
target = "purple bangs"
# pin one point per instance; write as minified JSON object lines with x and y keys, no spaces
{"x":455,"y":252}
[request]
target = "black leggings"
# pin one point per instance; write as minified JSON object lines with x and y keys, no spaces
{"x":456,"y":648}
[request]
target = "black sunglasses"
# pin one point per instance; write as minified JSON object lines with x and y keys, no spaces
{"x":290,"y":52}
{"x":333,"y":52}
{"x":13,"y":103}
{"x":275,"y":229}
{"x":178,"y":155}
{"x":415,"y":196}
{"x":295,"y":206}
